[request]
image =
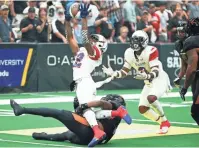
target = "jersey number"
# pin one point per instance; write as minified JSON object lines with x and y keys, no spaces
{"x":51,"y":12}
{"x":78,"y":60}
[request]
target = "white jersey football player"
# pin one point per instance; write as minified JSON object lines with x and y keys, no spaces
{"x":144,"y":59}
{"x":86,"y":59}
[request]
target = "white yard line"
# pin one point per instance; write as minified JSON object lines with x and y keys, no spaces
{"x":59,"y":99}
{"x":34,"y":143}
{"x":180,"y":123}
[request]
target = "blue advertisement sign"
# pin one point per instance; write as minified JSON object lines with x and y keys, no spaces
{"x":14,"y":64}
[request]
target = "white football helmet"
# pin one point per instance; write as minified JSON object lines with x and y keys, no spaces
{"x":99,"y":41}
{"x":139,"y":40}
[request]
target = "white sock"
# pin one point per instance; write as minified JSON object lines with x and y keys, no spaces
{"x":158,"y":108}
{"x":90,"y":117}
{"x":103,"y":114}
{"x":150,"y":114}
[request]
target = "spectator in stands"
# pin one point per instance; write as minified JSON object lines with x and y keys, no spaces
{"x":58,"y":28}
{"x":139,"y":8}
{"x":193,"y":9}
{"x":175,"y":22}
{"x":19,"y":6}
{"x":114,"y":12}
{"x":44,"y":28}
{"x":164,"y":18}
{"x":184,"y":14}
{"x":77,"y":30}
{"x":29,"y":27}
{"x":92,"y":17}
{"x":5,"y":25}
{"x":184,"y":6}
{"x":123,"y":38}
{"x":103,"y":26}
{"x":31,"y":4}
{"x":144,"y":24}
{"x":154,"y":18}
{"x":130,"y":16}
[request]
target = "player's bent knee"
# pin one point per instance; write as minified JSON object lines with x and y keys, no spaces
{"x":143,"y":109}
{"x":195,"y":112}
{"x":151,"y":98}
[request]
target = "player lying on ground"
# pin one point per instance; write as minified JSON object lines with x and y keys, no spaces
{"x":86,"y":59}
{"x":188,"y":48}
{"x":79,"y":130}
{"x":144,"y":59}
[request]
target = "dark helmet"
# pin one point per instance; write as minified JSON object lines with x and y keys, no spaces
{"x":182,"y":30}
{"x":193,"y":26}
{"x":115,"y":98}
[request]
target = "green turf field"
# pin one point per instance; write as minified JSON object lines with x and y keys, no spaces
{"x":16,"y":131}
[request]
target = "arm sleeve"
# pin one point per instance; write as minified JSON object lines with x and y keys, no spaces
{"x":153,"y":58}
{"x":54,"y":27}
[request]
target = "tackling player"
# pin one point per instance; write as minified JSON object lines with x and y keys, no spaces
{"x":189,"y":53}
{"x":79,"y":130}
{"x":144,"y":59}
{"x":86,"y":59}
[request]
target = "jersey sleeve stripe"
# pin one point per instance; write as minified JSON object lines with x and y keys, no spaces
{"x":154,"y":54}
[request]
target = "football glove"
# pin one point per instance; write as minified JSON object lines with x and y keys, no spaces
{"x":183,"y":92}
{"x":142,"y":76}
{"x":84,"y":12}
{"x":176,"y":82}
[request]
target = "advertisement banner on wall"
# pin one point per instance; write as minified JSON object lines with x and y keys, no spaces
{"x":14,"y":65}
{"x":170,"y":60}
{"x":55,"y":68}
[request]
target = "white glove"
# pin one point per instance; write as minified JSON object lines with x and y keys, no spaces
{"x":109,"y":71}
{"x":141,"y":76}
{"x":100,"y":83}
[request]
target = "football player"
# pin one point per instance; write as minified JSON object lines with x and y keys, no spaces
{"x":144,"y":59}
{"x":190,"y":65}
{"x":86,"y":59}
{"x":79,"y":131}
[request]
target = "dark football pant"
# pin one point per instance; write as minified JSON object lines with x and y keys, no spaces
{"x":195,"y":92}
{"x":79,"y":129}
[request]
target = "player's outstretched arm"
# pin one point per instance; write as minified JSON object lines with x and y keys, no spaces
{"x":118,"y":73}
{"x":101,"y":83}
{"x":183,"y":69}
{"x":84,"y":12}
{"x":72,"y":42}
{"x":191,"y":67}
{"x":192,"y":63}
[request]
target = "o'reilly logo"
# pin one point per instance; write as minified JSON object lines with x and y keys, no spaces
{"x":4,"y":73}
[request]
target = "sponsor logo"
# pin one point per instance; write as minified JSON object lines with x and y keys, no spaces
{"x":4,"y":73}
{"x":53,"y":60}
{"x":11,"y":62}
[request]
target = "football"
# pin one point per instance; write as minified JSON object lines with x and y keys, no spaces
{"x":74,"y":10}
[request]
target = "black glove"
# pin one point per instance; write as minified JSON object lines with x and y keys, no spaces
{"x":84,"y":12}
{"x":79,"y":110}
{"x":72,"y":86}
{"x":183,"y":91}
{"x":176,"y":82}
